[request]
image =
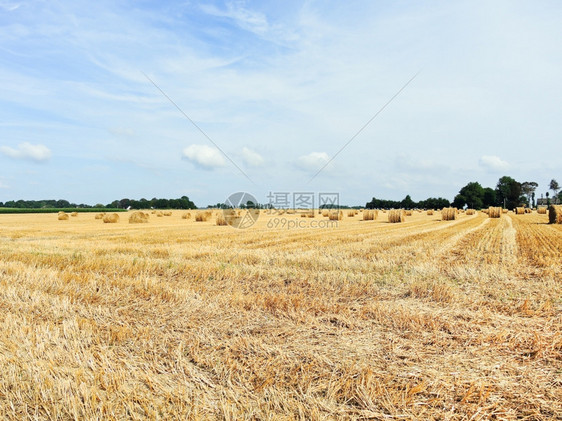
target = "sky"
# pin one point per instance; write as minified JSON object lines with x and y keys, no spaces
{"x":139,"y":99}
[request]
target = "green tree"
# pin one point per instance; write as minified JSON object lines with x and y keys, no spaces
{"x":555,"y":187}
{"x":489,"y":198}
{"x":528,"y":189}
{"x":407,"y":203}
{"x":508,"y":192}
{"x":471,"y":195}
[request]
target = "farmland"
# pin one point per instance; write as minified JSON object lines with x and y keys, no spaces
{"x":178,"y":319}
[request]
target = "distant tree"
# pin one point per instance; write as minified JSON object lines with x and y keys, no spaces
{"x":508,"y":192}
{"x":528,"y":189}
{"x":555,"y":187}
{"x":62,"y":204}
{"x":407,"y":203}
{"x":471,"y":195}
{"x":459,"y":201}
{"x":489,"y":198}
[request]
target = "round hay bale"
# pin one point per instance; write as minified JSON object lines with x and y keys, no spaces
{"x":63,"y":216}
{"x":430,"y":212}
{"x":555,"y":214}
{"x":138,"y":218}
{"x":519,"y":211}
{"x":470,"y":212}
{"x":449,"y":214}
{"x":495,"y":212}
{"x":396,"y":215}
{"x":370,"y":215}
{"x":167,"y":213}
{"x":408,"y":213}
{"x":74,"y":214}
{"x":542,"y":210}
{"x":159,"y":214}
{"x":221,"y":220}
{"x":325,"y":212}
{"x":186,"y":215}
{"x":100,"y":215}
{"x":203,"y":216}
{"x":111,"y":218}
{"x":335,"y":215}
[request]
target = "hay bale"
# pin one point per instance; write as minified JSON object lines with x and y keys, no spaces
{"x":396,"y":215}
{"x":325,"y":212}
{"x":470,"y":212}
{"x":542,"y":210}
{"x":408,"y":213}
{"x":351,"y":213}
{"x":203,"y":216}
{"x":430,"y":212}
{"x":63,"y":216}
{"x":335,"y":215}
{"x":186,"y":215}
{"x":519,"y":211}
{"x":167,"y":213}
{"x":111,"y":218}
{"x":370,"y":215}
{"x":449,"y":214}
{"x":100,"y":215}
{"x":495,"y":212}
{"x":138,"y":218}
{"x":505,"y":210}
{"x":159,"y":214}
{"x":528,"y":210}
{"x":555,"y":214}
{"x":221,"y":220}
{"x":74,"y":214}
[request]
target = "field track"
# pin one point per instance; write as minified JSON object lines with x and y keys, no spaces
{"x":177,"y":319}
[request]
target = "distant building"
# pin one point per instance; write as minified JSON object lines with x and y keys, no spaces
{"x":543,"y":201}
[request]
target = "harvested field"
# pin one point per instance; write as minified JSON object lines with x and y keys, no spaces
{"x":179,"y":319}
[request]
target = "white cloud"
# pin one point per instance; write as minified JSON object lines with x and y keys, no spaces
{"x":204,"y":156}
{"x":3,"y":186}
{"x":246,"y":19}
{"x":252,"y":158}
{"x":37,"y":153}
{"x":313,"y":161}
{"x":9,"y":7}
{"x":493,"y":163}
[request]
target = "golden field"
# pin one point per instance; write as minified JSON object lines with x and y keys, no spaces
{"x":178,"y":319}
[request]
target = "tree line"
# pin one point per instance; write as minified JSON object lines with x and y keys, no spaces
{"x":508,"y":193}
{"x":154,"y":203}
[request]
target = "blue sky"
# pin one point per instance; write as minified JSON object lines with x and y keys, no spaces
{"x":280,"y":87}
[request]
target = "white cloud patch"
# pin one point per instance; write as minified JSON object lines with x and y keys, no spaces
{"x":27,"y":151}
{"x":493,"y":163}
{"x":244,"y":18}
{"x":204,"y":156}
{"x":9,"y":6}
{"x":252,"y":158}
{"x":313,"y":161}
{"x":3,"y":186}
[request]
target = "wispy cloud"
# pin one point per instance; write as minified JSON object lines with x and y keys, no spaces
{"x":9,"y":6}
{"x":252,"y":158}
{"x":204,"y":156}
{"x":27,"y":151}
{"x":246,"y":19}
{"x":493,"y":163}
{"x":313,"y":161}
